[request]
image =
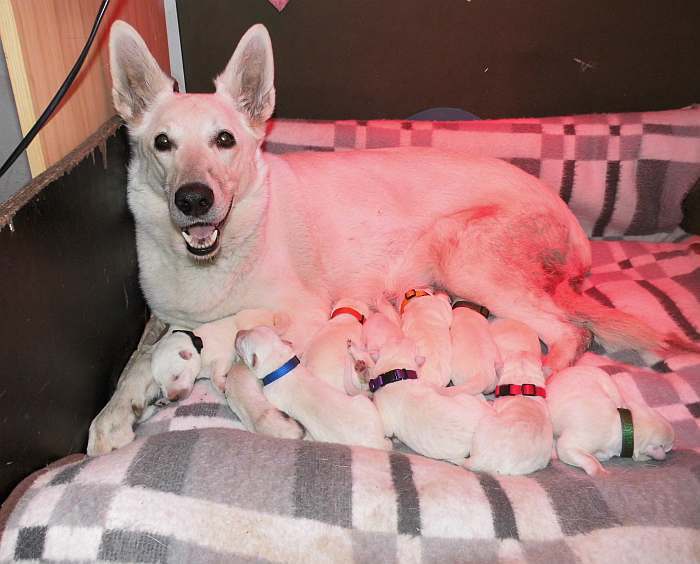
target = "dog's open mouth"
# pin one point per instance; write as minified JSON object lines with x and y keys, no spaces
{"x":202,"y":239}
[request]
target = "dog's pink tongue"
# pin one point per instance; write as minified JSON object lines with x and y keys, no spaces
{"x":201,"y":231}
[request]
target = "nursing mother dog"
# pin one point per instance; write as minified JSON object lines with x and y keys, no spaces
{"x":222,"y":227}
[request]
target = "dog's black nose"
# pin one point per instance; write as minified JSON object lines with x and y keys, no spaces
{"x":194,"y":199}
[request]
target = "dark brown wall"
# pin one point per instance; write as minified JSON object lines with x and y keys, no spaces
{"x":71,"y":312}
{"x":392,"y":58}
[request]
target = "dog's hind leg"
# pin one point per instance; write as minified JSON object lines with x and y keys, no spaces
{"x":245,"y":398}
{"x":512,"y":270}
{"x":565,"y":341}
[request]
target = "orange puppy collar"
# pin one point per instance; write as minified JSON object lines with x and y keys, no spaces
{"x":408,"y":296}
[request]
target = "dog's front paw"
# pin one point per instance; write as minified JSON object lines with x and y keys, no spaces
{"x":109,"y":431}
{"x":275,"y":424}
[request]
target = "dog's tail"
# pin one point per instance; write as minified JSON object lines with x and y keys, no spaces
{"x":616,"y":329}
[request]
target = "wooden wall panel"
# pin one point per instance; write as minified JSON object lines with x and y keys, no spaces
{"x":12,"y":46}
{"x":51,"y":34}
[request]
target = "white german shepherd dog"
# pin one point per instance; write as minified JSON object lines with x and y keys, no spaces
{"x":222,"y":227}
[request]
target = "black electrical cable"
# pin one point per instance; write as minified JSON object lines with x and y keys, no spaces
{"x":56,"y":100}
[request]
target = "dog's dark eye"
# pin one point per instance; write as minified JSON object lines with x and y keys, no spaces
{"x":162,"y":142}
{"x":224,"y":140}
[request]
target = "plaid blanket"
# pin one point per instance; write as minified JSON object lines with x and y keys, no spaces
{"x":194,"y":487}
{"x":621,"y":174}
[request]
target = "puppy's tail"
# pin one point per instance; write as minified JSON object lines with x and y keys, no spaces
{"x":617,"y":329}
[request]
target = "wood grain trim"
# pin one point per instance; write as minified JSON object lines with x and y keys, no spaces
{"x":20,"y":84}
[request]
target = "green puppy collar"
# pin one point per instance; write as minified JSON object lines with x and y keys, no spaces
{"x":627,"y":433}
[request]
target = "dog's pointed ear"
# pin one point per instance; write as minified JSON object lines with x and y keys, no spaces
{"x":136,"y":77}
{"x":249,"y":76}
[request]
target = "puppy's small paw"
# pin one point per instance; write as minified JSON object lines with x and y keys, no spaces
{"x":281,"y":322}
{"x":219,"y":382}
{"x":275,"y":424}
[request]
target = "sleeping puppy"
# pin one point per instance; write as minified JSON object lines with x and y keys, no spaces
{"x":381,"y":326}
{"x":415,"y":412}
{"x":517,"y":438}
{"x":327,"y":356}
{"x":181,"y":357}
{"x":328,"y":414}
{"x":475,"y":356}
{"x":583,"y":402}
{"x":176,"y":363}
{"x":426,"y":319}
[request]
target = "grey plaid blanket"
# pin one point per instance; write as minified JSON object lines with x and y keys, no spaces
{"x":621,"y":174}
{"x":194,"y":487}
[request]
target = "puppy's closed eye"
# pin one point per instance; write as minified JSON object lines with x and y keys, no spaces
{"x":186,"y":355}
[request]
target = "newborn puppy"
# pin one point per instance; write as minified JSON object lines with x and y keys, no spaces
{"x":517,"y":438}
{"x":176,"y":363}
{"x":328,"y":414}
{"x":327,"y":356}
{"x":180,"y":357}
{"x":416,"y":412}
{"x":381,"y":326}
{"x":475,"y":356}
{"x":583,"y":402}
{"x":426,"y":319}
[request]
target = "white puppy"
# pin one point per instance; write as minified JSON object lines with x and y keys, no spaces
{"x":176,"y":363}
{"x":518,"y":437}
{"x":416,"y":412}
{"x":327,"y":354}
{"x":426,"y":319}
{"x":583,"y":402}
{"x":181,"y":357}
{"x":328,"y":414}
{"x":381,"y":326}
{"x":475,"y":356}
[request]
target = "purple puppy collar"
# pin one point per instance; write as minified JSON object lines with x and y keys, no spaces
{"x":390,"y":377}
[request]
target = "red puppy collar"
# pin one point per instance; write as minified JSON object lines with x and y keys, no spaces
{"x":350,"y":311}
{"x":520,"y":390}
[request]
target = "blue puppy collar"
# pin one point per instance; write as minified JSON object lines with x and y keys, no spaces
{"x":283,"y":370}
